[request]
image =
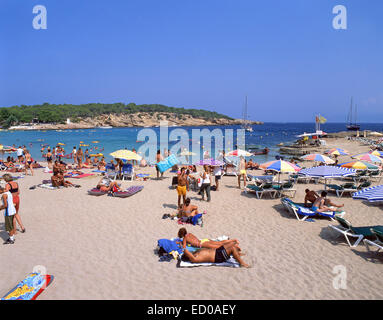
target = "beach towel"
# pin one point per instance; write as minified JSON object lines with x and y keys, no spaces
{"x":96,"y":192}
{"x":79,"y":176}
{"x":99,"y":171}
{"x":187,"y":264}
{"x":168,"y":163}
{"x":48,"y":186}
{"x":128,"y":192}
{"x":196,"y":220}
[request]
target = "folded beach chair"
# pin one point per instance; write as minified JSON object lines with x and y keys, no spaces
{"x":110,"y":172}
{"x":359,"y":233}
{"x":260,"y":191}
{"x":127,"y":172}
{"x":363,"y":185}
{"x":342,"y":189}
{"x":378,"y":242}
{"x":286,"y":187}
{"x":302,"y":213}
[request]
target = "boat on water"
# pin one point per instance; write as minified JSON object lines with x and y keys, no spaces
{"x":351,"y":121}
{"x":106,"y":127}
{"x":246,"y":124}
{"x":256,"y":153}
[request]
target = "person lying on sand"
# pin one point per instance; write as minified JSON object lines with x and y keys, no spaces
{"x":107,"y":185}
{"x":189,"y":238}
{"x":322,"y":204}
{"x":218,"y":255}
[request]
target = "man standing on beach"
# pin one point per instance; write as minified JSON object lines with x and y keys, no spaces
{"x":9,"y":214}
{"x":159,"y":159}
{"x":242,"y":172}
{"x":19,"y":153}
{"x":182,"y":185}
{"x":74,"y":155}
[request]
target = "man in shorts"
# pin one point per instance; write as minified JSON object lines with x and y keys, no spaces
{"x":218,"y":255}
{"x":19,"y":153}
{"x":182,"y":186}
{"x":9,"y":214}
{"x":242,"y":172}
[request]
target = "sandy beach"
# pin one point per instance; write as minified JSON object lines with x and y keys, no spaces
{"x":103,"y":247}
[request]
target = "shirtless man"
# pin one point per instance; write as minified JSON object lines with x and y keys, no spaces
{"x":189,"y":238}
{"x":159,"y":159}
{"x":80,"y":156}
{"x":242,"y":172}
{"x":310,"y":196}
{"x":183,"y":185}
{"x":219,"y":255}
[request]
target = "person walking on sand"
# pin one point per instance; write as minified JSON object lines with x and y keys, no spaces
{"x":28,"y":162}
{"x":13,"y":188}
{"x":49,"y":157}
{"x":9,"y":214}
{"x":182,"y":186}
{"x":206,"y":183}
{"x":242,"y":172}
{"x":217,"y":175}
{"x":74,"y":155}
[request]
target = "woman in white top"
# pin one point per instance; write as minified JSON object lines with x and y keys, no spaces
{"x":217,"y":174}
{"x":205,"y":187}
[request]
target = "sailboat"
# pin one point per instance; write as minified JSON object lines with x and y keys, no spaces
{"x":352,"y":126}
{"x":246,"y":125}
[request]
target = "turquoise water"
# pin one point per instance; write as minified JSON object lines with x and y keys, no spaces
{"x":267,"y":135}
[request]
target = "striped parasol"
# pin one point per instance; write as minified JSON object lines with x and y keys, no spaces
{"x":371,"y":194}
{"x":337,"y":152}
{"x":327,"y":172}
{"x":280,"y":166}
{"x":368,"y":157}
{"x":359,"y":165}
{"x":209,"y":162}
{"x":317,"y":157}
{"x":239,"y":153}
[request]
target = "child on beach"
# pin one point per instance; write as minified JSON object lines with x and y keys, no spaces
{"x":9,"y":214}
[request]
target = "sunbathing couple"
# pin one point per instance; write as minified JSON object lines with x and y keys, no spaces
{"x":320,"y":203}
{"x":57,"y":179}
{"x":106,"y":185}
{"x":210,"y":250}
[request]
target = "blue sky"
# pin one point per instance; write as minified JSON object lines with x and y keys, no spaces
{"x":285,"y":55}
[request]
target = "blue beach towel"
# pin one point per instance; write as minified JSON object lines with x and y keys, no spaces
{"x":167,"y":163}
{"x":169,"y":245}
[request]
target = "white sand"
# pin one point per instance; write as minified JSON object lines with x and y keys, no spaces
{"x":102,"y":247}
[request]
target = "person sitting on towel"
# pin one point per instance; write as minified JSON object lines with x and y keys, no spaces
{"x":222,"y":254}
{"x":191,"y":239}
{"x":101,"y":165}
{"x":187,"y":210}
{"x":107,"y":185}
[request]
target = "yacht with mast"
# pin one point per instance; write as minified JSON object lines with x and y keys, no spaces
{"x":246,"y":124}
{"x":351,"y":122}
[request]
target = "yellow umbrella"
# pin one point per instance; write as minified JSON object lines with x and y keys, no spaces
{"x":125,"y":155}
{"x":96,"y":155}
{"x":187,"y":153}
{"x":61,"y":144}
{"x":95,"y":141}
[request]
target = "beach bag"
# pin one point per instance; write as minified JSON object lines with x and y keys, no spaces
{"x":114,"y":189}
{"x":199,"y":184}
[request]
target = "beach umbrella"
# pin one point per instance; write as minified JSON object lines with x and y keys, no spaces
{"x":239,"y":153}
{"x":317,"y":157}
{"x":377,"y":153}
{"x":368,"y":157}
{"x":125,"y":155}
{"x":359,"y":165}
{"x":337,"y":152}
{"x":327,"y":172}
{"x":61,"y":144}
{"x":96,"y":155}
{"x":209,"y":162}
{"x":95,"y":141}
{"x":280,"y":166}
{"x":371,"y":194}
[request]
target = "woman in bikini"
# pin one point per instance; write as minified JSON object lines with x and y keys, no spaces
{"x":79,"y":158}
{"x":107,"y":185}
{"x":28,"y":162}
{"x":13,"y":187}
{"x":49,"y":158}
{"x":189,"y":238}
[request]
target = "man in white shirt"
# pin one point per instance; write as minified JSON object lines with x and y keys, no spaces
{"x":9,"y":214}
{"x":20,"y":153}
{"x":74,"y":155}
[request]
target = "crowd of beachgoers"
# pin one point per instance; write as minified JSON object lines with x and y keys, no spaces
{"x":200,"y":182}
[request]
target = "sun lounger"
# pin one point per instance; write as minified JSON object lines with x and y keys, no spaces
{"x":302,"y":213}
{"x":286,"y":187}
{"x":260,"y":191}
{"x":127,"y":172}
{"x":378,"y":242}
{"x":97,"y":192}
{"x":359,"y":233}
{"x":128,"y":192}
{"x":341,"y":189}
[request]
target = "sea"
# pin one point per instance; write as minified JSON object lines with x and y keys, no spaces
{"x":108,"y":140}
